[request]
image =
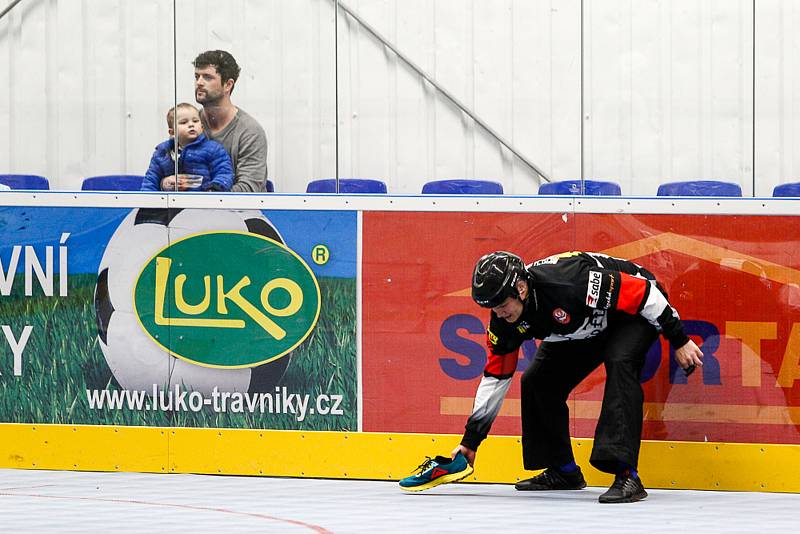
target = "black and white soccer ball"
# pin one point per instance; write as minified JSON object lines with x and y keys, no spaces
{"x":135,"y":360}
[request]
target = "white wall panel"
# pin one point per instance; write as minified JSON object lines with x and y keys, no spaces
{"x":668,"y":88}
{"x":453,"y":69}
{"x":27,"y":137}
{"x":777,"y":95}
{"x":492,"y":87}
{"x":496,"y":57}
{"x":65,"y":166}
{"x":147,"y":90}
{"x":546,"y":89}
{"x":667,"y":92}
{"x":415,"y":111}
{"x":6,"y":91}
{"x":82,"y":81}
{"x":368,"y":134}
{"x":286,"y":52}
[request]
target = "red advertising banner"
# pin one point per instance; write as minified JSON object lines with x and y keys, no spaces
{"x":735,"y":280}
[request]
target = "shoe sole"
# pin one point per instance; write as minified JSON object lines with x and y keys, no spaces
{"x":633,"y":498}
{"x":444,"y":479}
{"x":550,"y":489}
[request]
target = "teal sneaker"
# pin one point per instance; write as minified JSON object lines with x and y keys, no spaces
{"x":435,"y":471}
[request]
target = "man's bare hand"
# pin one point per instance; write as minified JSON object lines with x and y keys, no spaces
{"x":469,"y":454}
{"x":689,"y":355}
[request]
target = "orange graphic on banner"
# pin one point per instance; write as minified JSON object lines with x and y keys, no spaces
{"x":653,"y":411}
{"x":699,"y":249}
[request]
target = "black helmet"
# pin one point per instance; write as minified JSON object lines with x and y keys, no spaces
{"x":495,"y":278}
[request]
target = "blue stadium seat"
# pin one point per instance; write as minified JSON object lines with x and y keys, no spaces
{"x":787,"y":190}
{"x":113,"y":182}
{"x":573,"y":187}
{"x":25,"y":181}
{"x":700,"y":188}
{"x":462,"y":187}
{"x":347,"y":186}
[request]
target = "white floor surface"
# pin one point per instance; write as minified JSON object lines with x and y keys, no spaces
{"x":57,"y":501}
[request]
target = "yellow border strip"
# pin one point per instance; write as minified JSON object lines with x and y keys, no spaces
{"x":345,"y":455}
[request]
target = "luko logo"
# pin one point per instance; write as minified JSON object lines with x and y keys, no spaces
{"x":227,"y":299}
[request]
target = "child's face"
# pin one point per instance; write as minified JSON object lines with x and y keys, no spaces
{"x":189,"y":126}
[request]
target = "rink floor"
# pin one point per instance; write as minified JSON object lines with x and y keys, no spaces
{"x":59,"y":501}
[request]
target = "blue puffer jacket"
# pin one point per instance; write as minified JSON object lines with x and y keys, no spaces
{"x":203,"y":156}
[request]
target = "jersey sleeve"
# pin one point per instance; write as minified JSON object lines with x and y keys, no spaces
{"x":502,"y":343}
{"x":634,"y":294}
{"x":503,"y":354}
{"x":488,"y":401}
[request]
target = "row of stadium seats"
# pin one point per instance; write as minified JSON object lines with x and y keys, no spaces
{"x":109,"y":182}
{"x":706,"y":188}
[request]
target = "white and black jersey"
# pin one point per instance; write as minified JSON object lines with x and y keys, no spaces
{"x":572,"y":296}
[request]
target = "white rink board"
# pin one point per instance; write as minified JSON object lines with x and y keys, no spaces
{"x":709,"y":206}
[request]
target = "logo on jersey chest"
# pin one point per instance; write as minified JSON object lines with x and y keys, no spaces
{"x":561,"y":316}
{"x":593,"y":288}
{"x":492,"y":337}
{"x":523,"y":327}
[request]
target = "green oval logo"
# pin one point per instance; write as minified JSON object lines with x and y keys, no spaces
{"x":227,"y":299}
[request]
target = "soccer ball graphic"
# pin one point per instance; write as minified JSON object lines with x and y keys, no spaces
{"x":135,"y":360}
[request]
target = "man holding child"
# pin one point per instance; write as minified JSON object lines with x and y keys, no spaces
{"x":243,"y":138}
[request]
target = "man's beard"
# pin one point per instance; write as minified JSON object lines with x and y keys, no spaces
{"x":208,"y":99}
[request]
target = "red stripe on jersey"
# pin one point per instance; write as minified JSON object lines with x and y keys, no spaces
{"x":502,"y":364}
{"x":631,"y":293}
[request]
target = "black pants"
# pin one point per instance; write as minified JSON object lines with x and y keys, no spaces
{"x":559,"y":367}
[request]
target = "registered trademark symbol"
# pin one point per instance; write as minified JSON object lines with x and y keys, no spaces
{"x":320,"y":254}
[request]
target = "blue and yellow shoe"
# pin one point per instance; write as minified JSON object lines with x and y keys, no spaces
{"x":435,"y":471}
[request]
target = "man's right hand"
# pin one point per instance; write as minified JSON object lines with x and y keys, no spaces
{"x":469,"y":454}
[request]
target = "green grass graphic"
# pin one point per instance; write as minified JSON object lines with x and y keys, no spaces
{"x":63,"y":359}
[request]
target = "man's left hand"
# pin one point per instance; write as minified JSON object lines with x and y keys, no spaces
{"x":468,"y":453}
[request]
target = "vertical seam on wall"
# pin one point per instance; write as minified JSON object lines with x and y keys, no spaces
{"x":510,"y":114}
{"x":15,"y":40}
{"x":632,"y":153}
{"x":583,"y":156}
{"x":336,"y":88}
{"x":87,"y":110}
{"x":432,"y":131}
{"x":123,"y":68}
{"x":781,"y":123}
{"x":469,"y":125}
{"x":175,"y":76}
{"x":392,"y":98}
{"x":277,"y":32}
{"x":354,"y":101}
{"x":359,"y":321}
{"x":315,"y":150}
{"x":550,"y":107}
{"x":700,"y":95}
{"x":753,"y":156}
{"x":51,"y":107}
{"x":671,"y":157}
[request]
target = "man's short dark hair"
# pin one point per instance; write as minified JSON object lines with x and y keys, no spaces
{"x":223,"y":61}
